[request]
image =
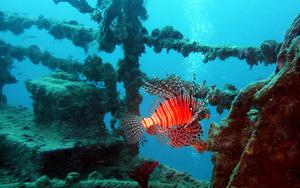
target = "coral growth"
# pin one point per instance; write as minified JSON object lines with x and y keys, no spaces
{"x":64,"y":97}
{"x":116,"y":30}
{"x":168,"y":38}
{"x":98,"y":72}
{"x":93,"y":69}
{"x":80,"y":35}
{"x":37,"y":56}
{"x":5,"y":76}
{"x":292,"y":33}
{"x":77,"y":155}
{"x":132,"y":79}
{"x":258,"y":143}
{"x":114,"y":25}
{"x":113,"y":16}
{"x":81,"y":5}
{"x":96,"y":180}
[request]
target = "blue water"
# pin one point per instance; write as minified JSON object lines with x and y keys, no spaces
{"x":212,"y":22}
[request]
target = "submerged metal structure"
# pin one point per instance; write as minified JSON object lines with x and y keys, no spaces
{"x":263,"y":119}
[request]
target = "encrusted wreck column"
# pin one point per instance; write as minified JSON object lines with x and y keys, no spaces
{"x":258,"y":144}
{"x":5,"y":76}
{"x":121,"y":25}
{"x":99,"y":73}
{"x":120,"y":22}
{"x":130,"y":74}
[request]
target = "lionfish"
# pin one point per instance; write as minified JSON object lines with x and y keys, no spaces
{"x":175,"y":119}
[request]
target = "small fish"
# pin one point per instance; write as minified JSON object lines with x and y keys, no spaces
{"x":176,"y":117}
{"x":28,"y":37}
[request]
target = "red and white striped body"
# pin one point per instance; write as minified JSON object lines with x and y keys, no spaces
{"x":175,"y":111}
{"x":175,"y":120}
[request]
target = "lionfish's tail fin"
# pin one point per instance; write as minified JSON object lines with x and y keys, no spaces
{"x":133,"y":128}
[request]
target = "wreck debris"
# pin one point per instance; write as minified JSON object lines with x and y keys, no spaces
{"x":5,"y":76}
{"x":97,"y":71}
{"x":36,"y":56}
{"x":93,"y":69}
{"x":63,"y":97}
{"x":103,"y":73}
{"x":132,"y":79}
{"x":56,"y":149}
{"x":258,"y":144}
{"x":113,"y":17}
{"x":261,"y":127}
{"x":79,"y":34}
{"x":81,"y":5}
{"x":72,"y":181}
{"x":128,"y":72}
{"x":121,"y":22}
{"x":67,"y":152}
{"x":269,"y":50}
{"x":168,"y":38}
{"x":222,"y":98}
{"x":292,"y":32}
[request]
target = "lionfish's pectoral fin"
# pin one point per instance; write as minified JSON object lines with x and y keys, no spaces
{"x":180,"y":136}
{"x":162,"y":135}
{"x":165,"y":88}
{"x":192,"y":120}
